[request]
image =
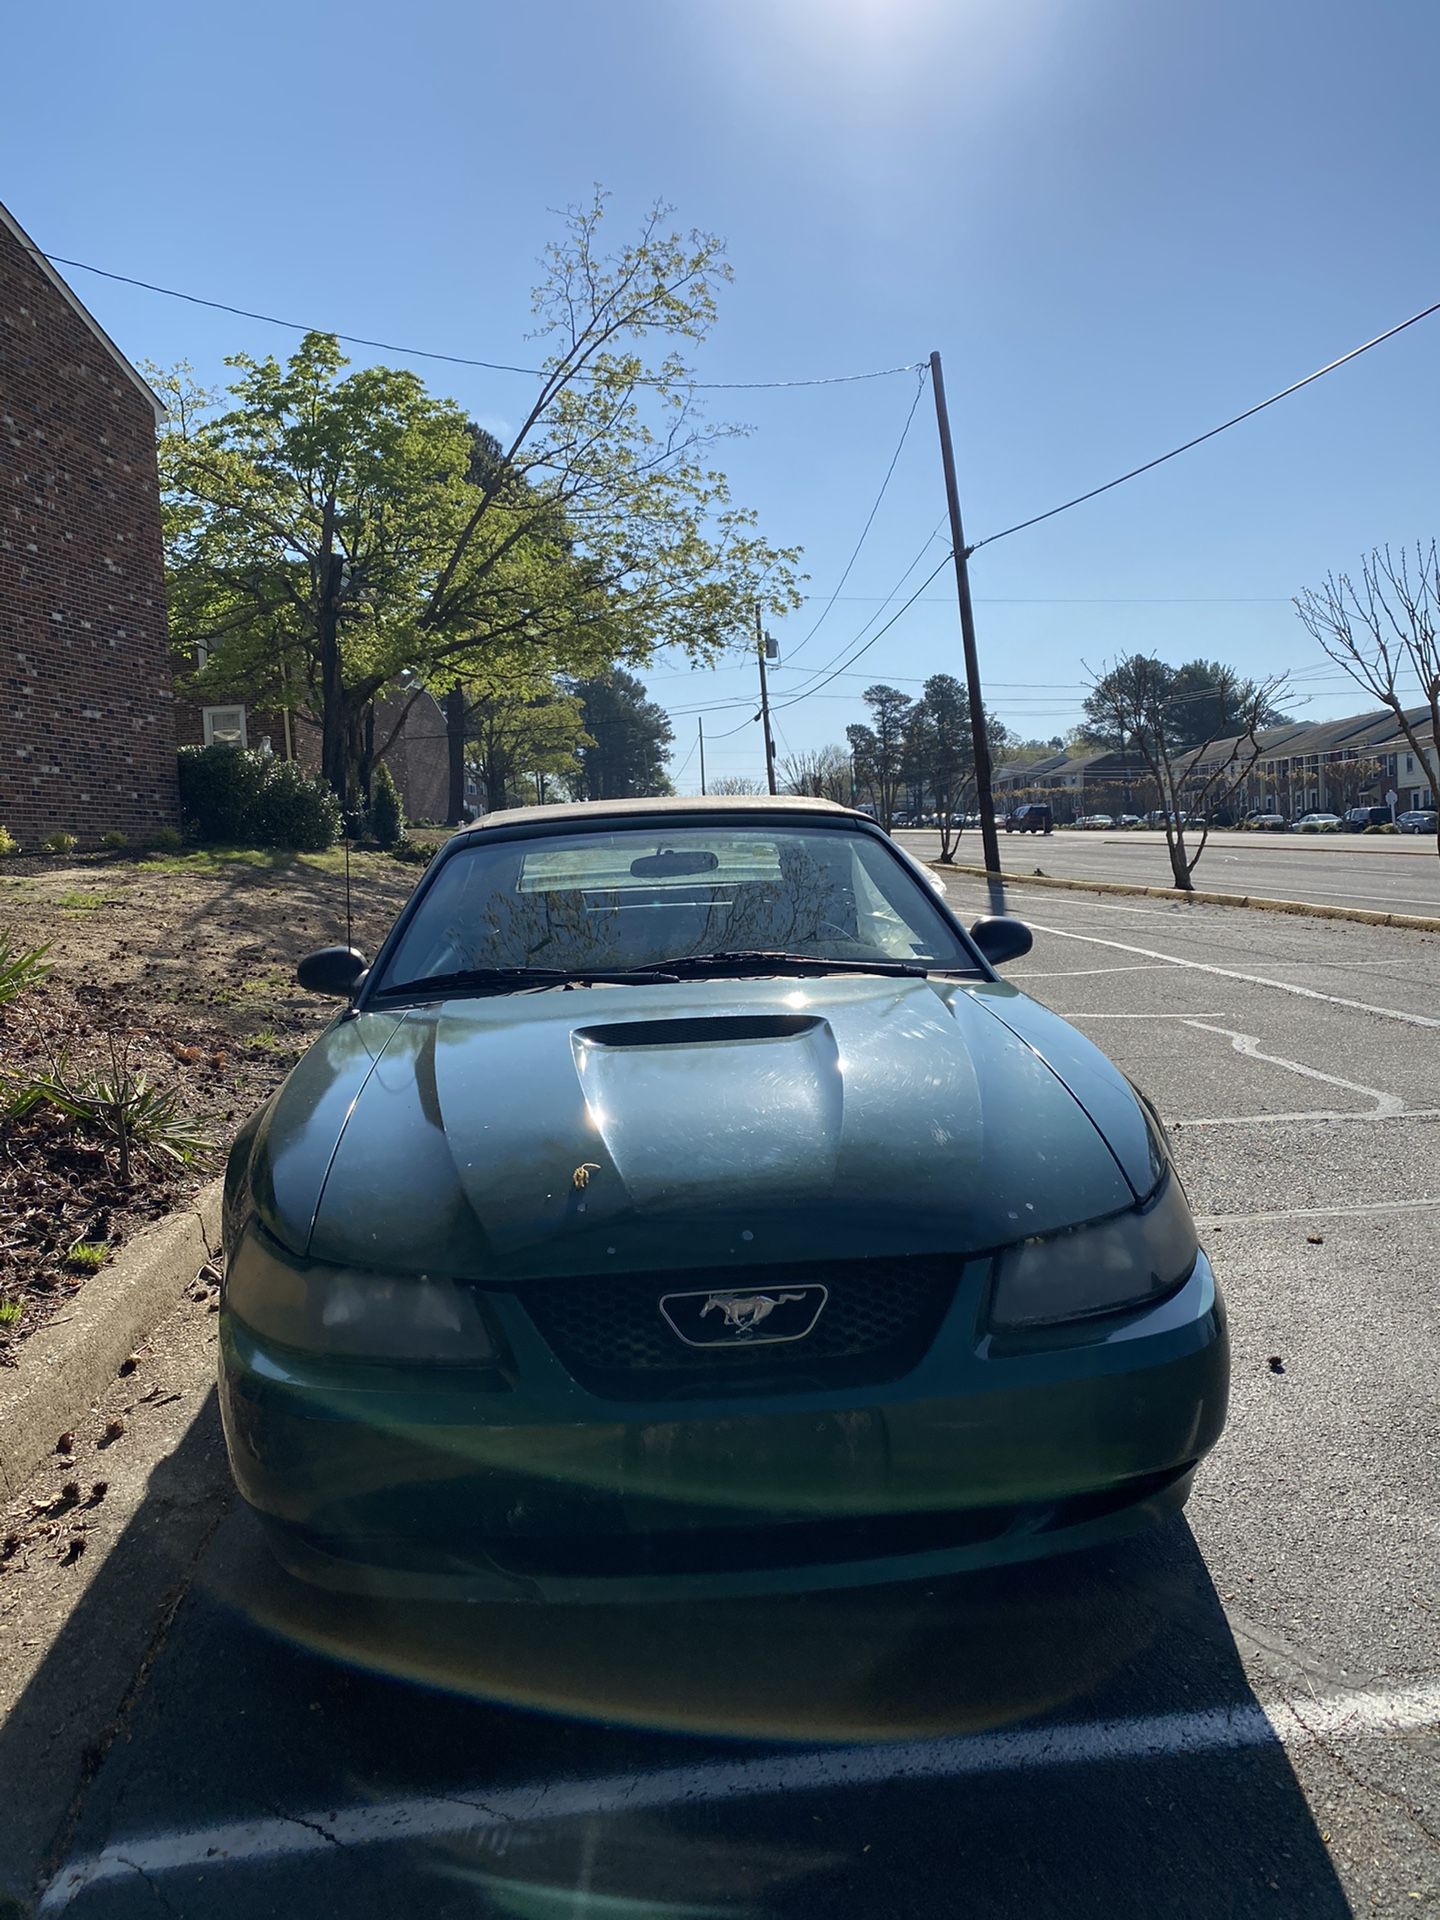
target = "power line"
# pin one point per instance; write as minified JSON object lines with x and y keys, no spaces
{"x":869,"y":519}
{"x":1201,"y":438}
{"x":797,"y":698}
{"x":456,"y":359}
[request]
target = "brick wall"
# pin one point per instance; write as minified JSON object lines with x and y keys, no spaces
{"x":87,"y":727}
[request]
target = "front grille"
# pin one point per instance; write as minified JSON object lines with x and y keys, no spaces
{"x":609,"y":1333}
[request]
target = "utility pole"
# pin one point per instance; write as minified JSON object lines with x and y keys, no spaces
{"x":764,"y":702}
{"x":984,"y":796}
{"x":702,"y":754}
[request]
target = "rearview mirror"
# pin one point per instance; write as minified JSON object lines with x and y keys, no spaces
{"x":1000,"y":938}
{"x":333,"y":970}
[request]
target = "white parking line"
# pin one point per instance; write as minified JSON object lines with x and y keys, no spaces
{"x":1311,"y":1115}
{"x":1080,"y":973}
{"x":1204,"y":1220}
{"x":475,"y":1811}
{"x":1250,"y":979}
{"x":1386,"y":1104}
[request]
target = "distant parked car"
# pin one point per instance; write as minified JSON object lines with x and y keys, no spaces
{"x":1357,"y":819}
{"x":1096,"y":821}
{"x":1030,"y":818}
{"x":1421,"y":821}
{"x":1265,"y":823}
{"x":1318,"y":823}
{"x":1128,"y":820}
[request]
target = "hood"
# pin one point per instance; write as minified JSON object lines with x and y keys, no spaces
{"x":693,"y":1125}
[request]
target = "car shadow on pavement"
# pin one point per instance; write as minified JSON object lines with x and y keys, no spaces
{"x":55,"y":1736}
{"x":896,"y":1750}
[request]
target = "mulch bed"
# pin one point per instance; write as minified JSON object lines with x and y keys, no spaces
{"x":186,"y":969}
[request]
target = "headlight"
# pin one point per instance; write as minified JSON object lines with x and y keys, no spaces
{"x":1129,"y":1260}
{"x":349,"y":1314}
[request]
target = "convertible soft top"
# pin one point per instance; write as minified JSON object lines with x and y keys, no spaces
{"x":582,"y":811}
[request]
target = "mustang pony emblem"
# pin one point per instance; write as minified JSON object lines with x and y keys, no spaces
{"x":744,"y":1312}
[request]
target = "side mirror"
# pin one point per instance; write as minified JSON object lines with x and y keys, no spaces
{"x":1000,"y":938}
{"x":333,"y":970}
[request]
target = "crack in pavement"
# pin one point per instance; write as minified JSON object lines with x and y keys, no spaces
{"x":1326,"y":1744}
{"x":163,"y":1898}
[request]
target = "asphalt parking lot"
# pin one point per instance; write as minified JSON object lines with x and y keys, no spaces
{"x":1236,"y":1717}
{"x":1388,"y":873}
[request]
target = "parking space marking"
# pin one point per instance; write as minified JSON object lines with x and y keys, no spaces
{"x":475,"y":1811}
{"x":1318,"y":1115}
{"x":1249,"y":979}
{"x":1081,"y":973}
{"x":1203,"y":1220}
{"x":1386,"y":1104}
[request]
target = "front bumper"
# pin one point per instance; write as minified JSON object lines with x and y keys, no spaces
{"x":431,"y":1483}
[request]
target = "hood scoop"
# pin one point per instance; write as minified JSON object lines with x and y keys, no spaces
{"x":693,"y":1107}
{"x":699,"y":1031}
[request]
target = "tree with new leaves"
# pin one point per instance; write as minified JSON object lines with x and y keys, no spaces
{"x":520,"y":741}
{"x":1383,"y":632}
{"x":1135,"y":707}
{"x":878,"y":750}
{"x":330,"y":528}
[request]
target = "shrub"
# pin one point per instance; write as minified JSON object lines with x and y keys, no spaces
{"x":239,"y":798}
{"x":220,"y":789}
{"x":296,"y":812}
{"x":387,"y":816}
{"x":410,"y":854}
{"x":8,"y":842}
{"x":59,"y":843}
{"x":167,"y":840}
{"x":113,"y":841}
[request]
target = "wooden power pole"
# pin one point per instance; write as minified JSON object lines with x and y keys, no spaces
{"x":764,"y":702}
{"x":984,"y":795}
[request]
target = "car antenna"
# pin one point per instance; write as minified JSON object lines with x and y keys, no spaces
{"x":350,"y":824}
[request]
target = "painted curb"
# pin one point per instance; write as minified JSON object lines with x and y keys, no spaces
{"x":1364,"y":916}
{"x":64,"y":1367}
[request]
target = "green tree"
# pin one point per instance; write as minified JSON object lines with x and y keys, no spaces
{"x":330,"y":529}
{"x":1204,"y":701}
{"x":878,"y":750}
{"x":628,"y":738}
{"x":1134,"y":708}
{"x":940,"y":753}
{"x":518,"y":743}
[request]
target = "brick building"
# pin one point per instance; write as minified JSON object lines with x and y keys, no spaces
{"x":87,"y":725}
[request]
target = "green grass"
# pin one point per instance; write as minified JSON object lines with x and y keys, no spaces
{"x":82,"y":902}
{"x":267,"y":1040}
{"x":10,"y":1312}
{"x":86,"y":1255}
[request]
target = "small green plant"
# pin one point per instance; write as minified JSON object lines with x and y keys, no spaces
{"x":81,"y":902}
{"x":59,"y":843}
{"x":85,"y":1256}
{"x":10,"y":1312}
{"x":8,"y":842}
{"x":145,"y":1123}
{"x":167,"y":840}
{"x":410,"y":854}
{"x":113,"y":841}
{"x":387,"y":816}
{"x":20,"y":967}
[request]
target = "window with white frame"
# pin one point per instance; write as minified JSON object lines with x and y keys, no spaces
{"x":224,"y":726}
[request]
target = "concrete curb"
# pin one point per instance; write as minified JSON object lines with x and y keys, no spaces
{"x":65,"y":1366}
{"x":1414,"y":922}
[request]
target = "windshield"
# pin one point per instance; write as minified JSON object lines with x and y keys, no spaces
{"x":606,"y":901}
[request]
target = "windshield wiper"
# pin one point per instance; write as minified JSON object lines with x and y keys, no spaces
{"x":755,"y":960}
{"x":511,"y":979}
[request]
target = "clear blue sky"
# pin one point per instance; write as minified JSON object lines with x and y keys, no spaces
{"x":1118,"y":221}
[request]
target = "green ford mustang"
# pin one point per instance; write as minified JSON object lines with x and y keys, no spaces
{"x":681,"y":1203}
